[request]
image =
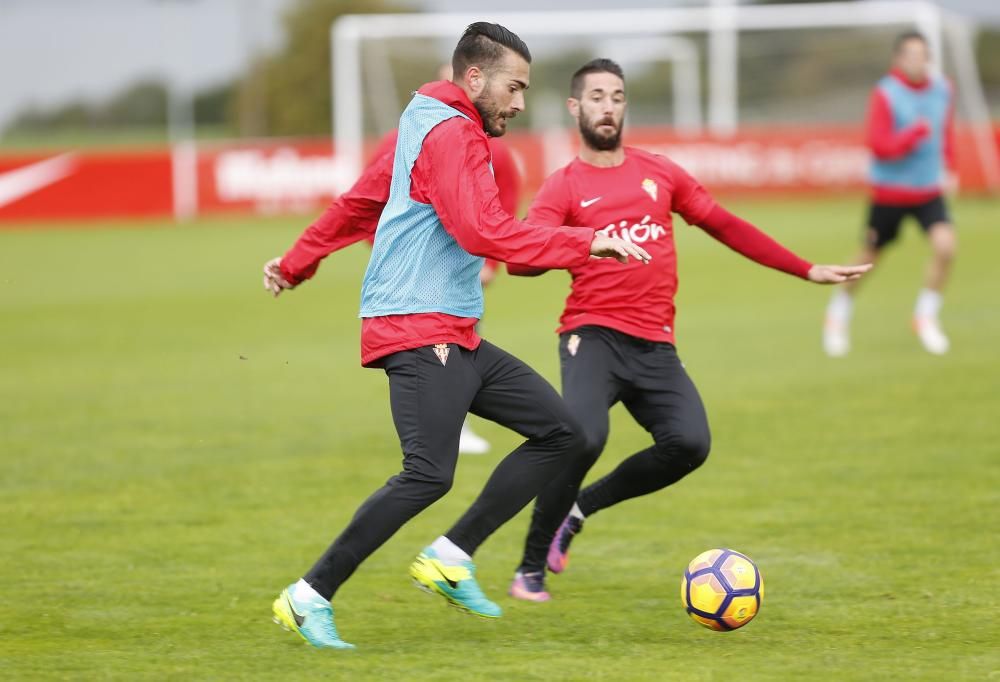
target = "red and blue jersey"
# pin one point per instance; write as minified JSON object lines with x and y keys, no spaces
{"x":910,"y":133}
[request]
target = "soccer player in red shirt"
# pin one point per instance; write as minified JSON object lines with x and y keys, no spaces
{"x":420,"y":301}
{"x":911,"y":135}
{"x":616,"y":339}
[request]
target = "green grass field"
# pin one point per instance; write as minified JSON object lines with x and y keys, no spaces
{"x":176,"y":447}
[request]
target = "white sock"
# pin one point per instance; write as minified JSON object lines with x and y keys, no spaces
{"x":928,"y":304}
{"x":576,"y":513}
{"x":448,"y":552}
{"x":841,"y":306}
{"x":303,"y":591}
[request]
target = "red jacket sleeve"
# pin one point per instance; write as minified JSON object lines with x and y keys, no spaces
{"x":453,"y":173}
{"x":882,"y":140}
{"x":745,"y":239}
{"x":549,"y":207}
{"x":351,"y":217}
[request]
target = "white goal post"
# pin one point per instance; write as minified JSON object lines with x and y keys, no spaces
{"x":722,"y":22}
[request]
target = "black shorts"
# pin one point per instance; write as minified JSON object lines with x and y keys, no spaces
{"x":884,"y":220}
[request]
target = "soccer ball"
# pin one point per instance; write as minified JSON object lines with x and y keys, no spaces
{"x":722,"y":589}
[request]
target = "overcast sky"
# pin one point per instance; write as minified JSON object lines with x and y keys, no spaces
{"x":52,"y":51}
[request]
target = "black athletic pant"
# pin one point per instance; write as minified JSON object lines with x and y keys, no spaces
{"x":431,"y":389}
{"x":600,"y":367}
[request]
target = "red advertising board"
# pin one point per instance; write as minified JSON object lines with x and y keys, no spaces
{"x":85,"y":185}
{"x":283,"y":176}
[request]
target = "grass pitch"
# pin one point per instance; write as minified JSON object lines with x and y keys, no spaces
{"x":176,"y":447}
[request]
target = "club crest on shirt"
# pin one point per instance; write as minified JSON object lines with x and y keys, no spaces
{"x":441,"y":350}
{"x":650,"y":188}
{"x":573,"y":344}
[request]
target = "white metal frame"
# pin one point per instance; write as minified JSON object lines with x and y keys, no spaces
{"x":722,"y":21}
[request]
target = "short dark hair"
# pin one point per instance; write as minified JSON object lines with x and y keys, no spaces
{"x":483,"y":45}
{"x":600,"y":65}
{"x":906,"y":37}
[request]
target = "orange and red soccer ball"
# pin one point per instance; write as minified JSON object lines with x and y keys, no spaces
{"x":722,"y":589}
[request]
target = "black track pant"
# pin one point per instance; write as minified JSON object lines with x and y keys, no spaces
{"x":430,"y":390}
{"x":600,"y":367}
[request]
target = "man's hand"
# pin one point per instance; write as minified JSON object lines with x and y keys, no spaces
{"x":921,"y":129}
{"x":274,"y":281}
{"x":834,"y":274}
{"x":619,"y":249}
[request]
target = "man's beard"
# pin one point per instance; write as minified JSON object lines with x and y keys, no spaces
{"x":595,"y":140}
{"x":491,"y":115}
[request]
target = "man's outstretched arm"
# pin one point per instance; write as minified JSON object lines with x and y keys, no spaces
{"x":747,"y":240}
{"x":350,"y":218}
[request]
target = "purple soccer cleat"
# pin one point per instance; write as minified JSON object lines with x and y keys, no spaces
{"x":558,"y":558}
{"x":529,"y":587}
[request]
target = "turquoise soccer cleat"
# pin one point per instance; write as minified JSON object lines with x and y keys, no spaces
{"x":457,"y":584}
{"x":311,"y":620}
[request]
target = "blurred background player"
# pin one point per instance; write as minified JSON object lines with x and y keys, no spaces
{"x":617,"y":330}
{"x":327,"y":233}
{"x":911,"y":137}
{"x":420,"y":301}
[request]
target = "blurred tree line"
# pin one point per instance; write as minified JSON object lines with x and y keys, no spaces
{"x":142,"y":104}
{"x":285,"y":93}
{"x":784,"y":76}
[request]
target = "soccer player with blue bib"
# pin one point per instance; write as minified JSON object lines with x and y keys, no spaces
{"x":911,"y":137}
{"x":420,"y":301}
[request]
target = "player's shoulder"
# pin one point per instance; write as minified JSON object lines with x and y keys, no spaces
{"x":561,"y":175}
{"x":645,"y":156}
{"x":557,"y":188}
{"x":653,"y":161}
{"x":457,"y":133}
{"x":466,"y":126}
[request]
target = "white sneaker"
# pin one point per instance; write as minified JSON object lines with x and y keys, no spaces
{"x":929,"y":332}
{"x":470,"y":443}
{"x":836,"y":341}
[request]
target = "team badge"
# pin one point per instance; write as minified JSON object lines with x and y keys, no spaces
{"x":441,"y":350}
{"x":573,"y":344}
{"x":650,"y":187}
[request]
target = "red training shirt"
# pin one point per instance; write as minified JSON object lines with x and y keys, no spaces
{"x":634,"y":201}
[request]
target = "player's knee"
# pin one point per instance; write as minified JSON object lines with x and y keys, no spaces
{"x":570,"y":438}
{"x":575,"y":436}
{"x":592,"y":445}
{"x":438,"y":486}
{"x":561,"y":434}
{"x":693,"y":448}
{"x":944,"y":243}
{"x":430,"y":484}
{"x":689,"y":447}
